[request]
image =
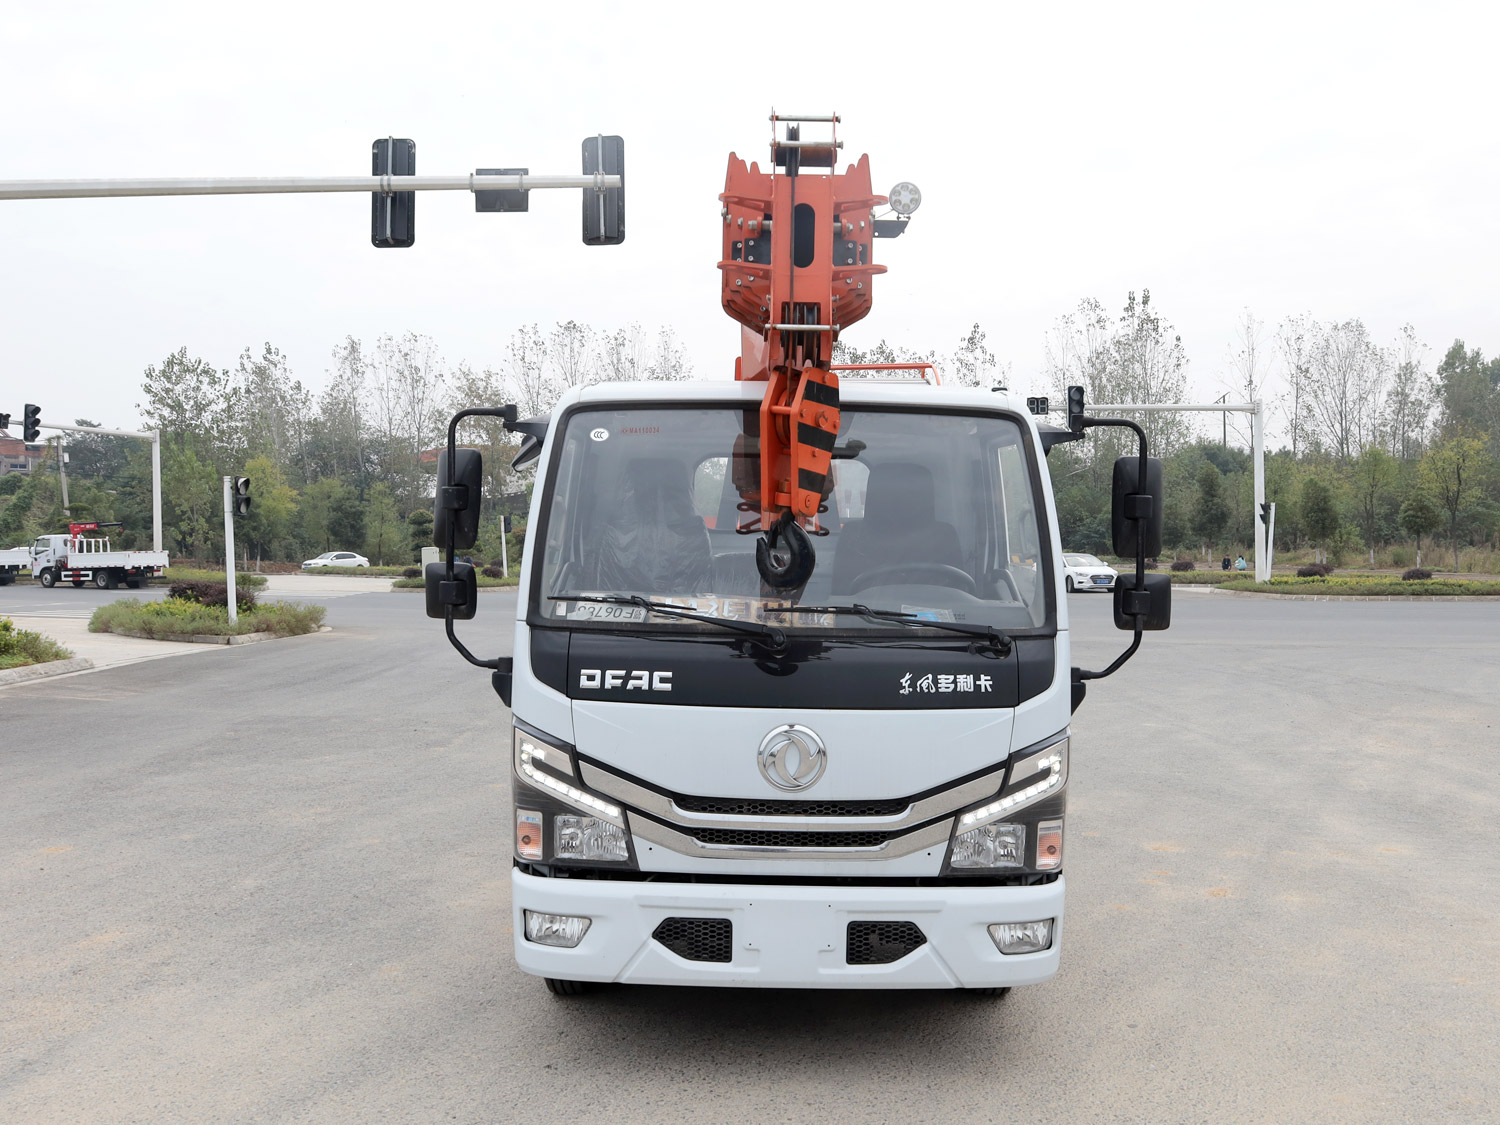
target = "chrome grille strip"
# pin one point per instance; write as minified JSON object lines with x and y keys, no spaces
{"x":932,"y":836}
{"x":637,"y":796}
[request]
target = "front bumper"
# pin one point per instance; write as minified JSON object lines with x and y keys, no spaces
{"x":786,"y":936}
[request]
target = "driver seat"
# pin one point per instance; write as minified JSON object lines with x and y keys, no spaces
{"x":899,"y":527}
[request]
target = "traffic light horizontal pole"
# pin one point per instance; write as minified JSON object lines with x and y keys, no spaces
{"x":267,"y":185}
{"x":1232,"y":407}
{"x":97,"y":430}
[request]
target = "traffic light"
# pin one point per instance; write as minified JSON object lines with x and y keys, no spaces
{"x":33,"y":428}
{"x":4,"y":421}
{"x":242,"y":496}
{"x":1075,"y":409}
{"x":1265,"y":513}
{"x":604,"y":211}
{"x":507,"y":524}
{"x":1038,"y":405}
{"x":393,"y":215}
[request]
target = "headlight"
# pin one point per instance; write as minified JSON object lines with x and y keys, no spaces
{"x":558,"y":821}
{"x":588,"y":837}
{"x":994,"y":845}
{"x":994,"y":836}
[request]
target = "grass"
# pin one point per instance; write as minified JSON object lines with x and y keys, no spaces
{"x":174,"y":617}
{"x":358,"y":571}
{"x":188,"y":574}
{"x":21,"y":647}
{"x":1369,"y":586}
{"x":421,"y":584}
{"x":1201,"y":577}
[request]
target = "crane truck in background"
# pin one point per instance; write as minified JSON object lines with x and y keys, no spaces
{"x":81,"y":560}
{"x":791,"y":682}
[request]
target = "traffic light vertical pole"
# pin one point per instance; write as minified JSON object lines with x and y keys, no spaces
{"x":229,"y":548}
{"x":1258,"y":452}
{"x":156,"y":490}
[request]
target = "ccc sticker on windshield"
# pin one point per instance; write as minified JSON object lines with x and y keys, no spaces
{"x":600,"y":434}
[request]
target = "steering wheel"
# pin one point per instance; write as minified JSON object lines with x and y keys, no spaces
{"x":944,"y":575}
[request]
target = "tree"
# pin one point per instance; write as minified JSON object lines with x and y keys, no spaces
{"x":332,"y":517}
{"x":195,"y":402}
{"x":1294,"y":339}
{"x":1249,"y":366}
{"x":1420,"y":516}
{"x":1408,"y":405}
{"x":1453,"y":470}
{"x":1319,"y":513}
{"x":273,"y":506}
{"x":1467,"y":393}
{"x":526,"y":362}
{"x":1212,"y":513}
{"x":973,"y":363}
{"x":1374,"y":473}
{"x":1345,"y":385}
{"x":192,"y":501}
{"x":386,"y":540}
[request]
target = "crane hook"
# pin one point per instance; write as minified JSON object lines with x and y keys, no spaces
{"x":789,"y":565}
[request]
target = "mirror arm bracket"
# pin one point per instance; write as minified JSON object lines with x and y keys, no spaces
{"x":449,"y":491}
{"x":1081,"y":675}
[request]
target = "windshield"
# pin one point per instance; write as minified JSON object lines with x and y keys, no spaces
{"x":1081,"y":560}
{"x":927,"y":515}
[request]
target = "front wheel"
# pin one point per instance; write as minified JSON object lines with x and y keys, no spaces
{"x":994,"y":993}
{"x":566,"y":987}
{"x":102,"y":580}
{"x":1069,"y":583}
{"x":49,"y":578}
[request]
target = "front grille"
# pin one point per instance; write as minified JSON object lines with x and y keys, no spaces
{"x":880,"y":943}
{"x":752,"y":838}
{"x":697,"y":939}
{"x":747,"y":806}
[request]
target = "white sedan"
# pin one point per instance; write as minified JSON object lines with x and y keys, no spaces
{"x":1084,"y":572}
{"x":336,"y":558}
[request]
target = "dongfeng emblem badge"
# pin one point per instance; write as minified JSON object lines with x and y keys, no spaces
{"x":792,"y":758}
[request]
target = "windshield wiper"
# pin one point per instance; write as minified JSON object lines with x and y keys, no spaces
{"x":986,"y":633}
{"x":773,"y":637}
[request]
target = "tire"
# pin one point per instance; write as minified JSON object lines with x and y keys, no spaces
{"x":1070,"y":583}
{"x":133,"y":583}
{"x":991,"y":993}
{"x":49,"y":578}
{"x":103,"y":580}
{"x":567,"y":987}
{"x":78,"y":583}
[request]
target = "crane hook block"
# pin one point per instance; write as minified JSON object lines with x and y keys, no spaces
{"x":789,"y":564}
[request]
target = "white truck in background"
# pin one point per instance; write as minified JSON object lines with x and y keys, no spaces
{"x":76,"y":559}
{"x":12,"y":562}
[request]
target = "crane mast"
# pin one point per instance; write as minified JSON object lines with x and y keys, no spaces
{"x":797,"y":269}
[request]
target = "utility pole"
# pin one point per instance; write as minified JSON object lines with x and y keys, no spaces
{"x":229,"y":548}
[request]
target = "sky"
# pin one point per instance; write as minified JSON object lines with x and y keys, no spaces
{"x":1337,"y":160}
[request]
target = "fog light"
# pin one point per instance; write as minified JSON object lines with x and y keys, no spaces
{"x":562,"y":930}
{"x":1022,"y":937}
{"x":588,"y":837}
{"x":993,"y":845}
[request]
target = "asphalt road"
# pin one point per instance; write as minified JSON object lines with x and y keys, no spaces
{"x":273,"y":886}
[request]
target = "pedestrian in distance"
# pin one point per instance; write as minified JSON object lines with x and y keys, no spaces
{"x":1239,"y":563}
{"x":1225,"y":563}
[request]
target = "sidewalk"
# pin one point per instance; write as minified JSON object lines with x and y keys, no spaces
{"x":106,"y":650}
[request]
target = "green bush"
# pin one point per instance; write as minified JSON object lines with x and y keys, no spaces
{"x":20,"y":647}
{"x":1370,"y":586}
{"x":211,"y":593}
{"x":188,"y":574}
{"x":178,"y":616}
{"x":483,"y":582}
{"x":1203,"y":577}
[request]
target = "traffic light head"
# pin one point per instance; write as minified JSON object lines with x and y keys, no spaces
{"x":242,"y":496}
{"x":32,"y":429}
{"x":393,"y":215}
{"x":1075,"y":409}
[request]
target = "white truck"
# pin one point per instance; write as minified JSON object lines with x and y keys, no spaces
{"x":79,"y":560}
{"x":791,"y":683}
{"x":13,"y":562}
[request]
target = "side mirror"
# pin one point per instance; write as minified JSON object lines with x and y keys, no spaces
{"x":458,"y":505}
{"x":604,"y":211}
{"x":462,"y":593}
{"x":1150,"y":605}
{"x":1135,"y":515}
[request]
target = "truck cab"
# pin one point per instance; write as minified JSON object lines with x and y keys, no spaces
{"x":858,"y":783}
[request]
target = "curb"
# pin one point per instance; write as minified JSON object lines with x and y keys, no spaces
{"x":1359,"y":597}
{"x":42,"y":671}
{"x":195,"y":639}
{"x":423,"y":589}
